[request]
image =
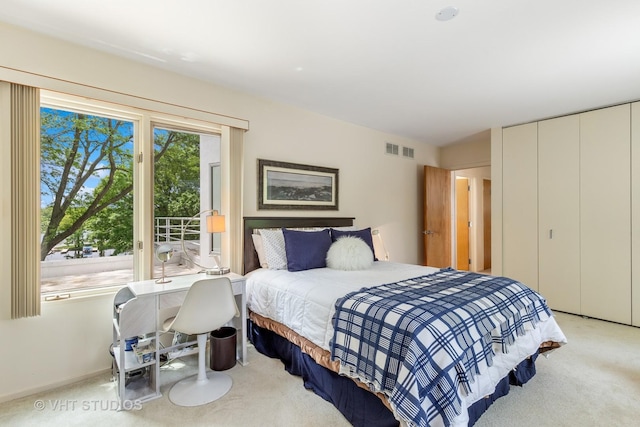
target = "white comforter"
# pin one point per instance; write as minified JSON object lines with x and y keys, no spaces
{"x":305,"y":302}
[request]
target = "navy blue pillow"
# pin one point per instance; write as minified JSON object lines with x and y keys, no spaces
{"x":306,"y":249}
{"x":364,"y":234}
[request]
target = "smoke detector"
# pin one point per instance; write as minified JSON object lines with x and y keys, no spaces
{"x":447,"y":14}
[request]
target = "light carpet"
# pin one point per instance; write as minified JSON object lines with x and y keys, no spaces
{"x":592,"y":381}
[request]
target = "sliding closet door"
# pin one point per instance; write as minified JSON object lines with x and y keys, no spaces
{"x":605,"y":208}
{"x":520,"y":203}
{"x":559,"y":212}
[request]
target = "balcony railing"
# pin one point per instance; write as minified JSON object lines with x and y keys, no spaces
{"x":61,"y":274}
{"x":169,"y":229}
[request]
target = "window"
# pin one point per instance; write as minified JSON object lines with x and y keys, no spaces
{"x":86,"y":175}
{"x":20,"y":144}
{"x":186,"y":182}
{"x":92,"y":191}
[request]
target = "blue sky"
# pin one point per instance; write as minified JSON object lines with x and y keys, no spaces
{"x":93,"y":181}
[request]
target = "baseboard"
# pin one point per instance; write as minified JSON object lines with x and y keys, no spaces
{"x":12,"y":396}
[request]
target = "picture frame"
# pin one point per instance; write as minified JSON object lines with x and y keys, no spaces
{"x":293,"y":186}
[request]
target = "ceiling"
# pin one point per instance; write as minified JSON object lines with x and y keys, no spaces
{"x":384,"y":64}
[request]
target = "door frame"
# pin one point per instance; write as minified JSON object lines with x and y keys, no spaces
{"x":475,"y":175}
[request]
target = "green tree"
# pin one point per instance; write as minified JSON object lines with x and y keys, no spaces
{"x":177,"y":174}
{"x":112,"y":228}
{"x":76,"y":148}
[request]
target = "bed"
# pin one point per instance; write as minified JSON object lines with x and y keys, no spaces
{"x":387,"y":343}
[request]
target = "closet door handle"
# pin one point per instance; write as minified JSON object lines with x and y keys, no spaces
{"x":551,"y":233}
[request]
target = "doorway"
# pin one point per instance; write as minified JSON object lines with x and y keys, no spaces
{"x":472,"y":219}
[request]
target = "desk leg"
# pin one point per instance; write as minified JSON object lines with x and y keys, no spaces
{"x":242,"y":330}
{"x":243,"y":316}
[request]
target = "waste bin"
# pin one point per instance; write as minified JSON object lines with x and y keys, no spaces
{"x":223,"y":349}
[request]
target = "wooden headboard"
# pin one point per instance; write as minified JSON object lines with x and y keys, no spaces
{"x":250,"y":261}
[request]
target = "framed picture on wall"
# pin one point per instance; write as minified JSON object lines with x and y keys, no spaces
{"x":289,"y":186}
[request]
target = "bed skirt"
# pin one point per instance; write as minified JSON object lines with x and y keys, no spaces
{"x":359,"y":406}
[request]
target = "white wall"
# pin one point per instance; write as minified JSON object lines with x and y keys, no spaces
{"x":70,"y":339}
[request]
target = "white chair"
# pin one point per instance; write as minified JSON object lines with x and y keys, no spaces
{"x":208,"y":305}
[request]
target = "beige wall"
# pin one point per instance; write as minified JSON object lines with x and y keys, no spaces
{"x":496,"y":201}
{"x":470,"y":158}
{"x":377,"y":189}
{"x":472,"y":152}
{"x":70,"y":339}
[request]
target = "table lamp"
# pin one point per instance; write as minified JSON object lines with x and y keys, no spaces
{"x":215,"y":224}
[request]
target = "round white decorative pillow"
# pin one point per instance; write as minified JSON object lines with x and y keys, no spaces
{"x":349,"y":253}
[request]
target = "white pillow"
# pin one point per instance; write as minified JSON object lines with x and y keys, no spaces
{"x":274,"y":250}
{"x":349,"y":253}
{"x":259,"y":247}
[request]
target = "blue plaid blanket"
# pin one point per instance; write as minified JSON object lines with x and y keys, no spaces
{"x":421,"y":341}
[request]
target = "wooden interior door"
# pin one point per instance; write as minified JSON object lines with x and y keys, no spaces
{"x":437,"y":217}
{"x":486,"y":220}
{"x":462,"y":224}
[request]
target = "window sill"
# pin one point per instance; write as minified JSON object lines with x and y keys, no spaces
{"x":54,"y":297}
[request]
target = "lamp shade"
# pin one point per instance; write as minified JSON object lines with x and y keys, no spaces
{"x":215,"y":223}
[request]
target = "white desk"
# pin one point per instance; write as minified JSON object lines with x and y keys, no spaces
{"x":179,"y":286}
{"x":140,"y":309}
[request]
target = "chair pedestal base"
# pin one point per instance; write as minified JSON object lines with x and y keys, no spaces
{"x":192,"y":392}
{"x":207,"y":306}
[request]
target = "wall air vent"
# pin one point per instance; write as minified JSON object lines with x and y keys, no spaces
{"x":392,"y":149}
{"x":407,"y":152}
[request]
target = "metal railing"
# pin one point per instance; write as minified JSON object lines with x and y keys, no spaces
{"x":168,"y":229}
{"x":77,"y":274}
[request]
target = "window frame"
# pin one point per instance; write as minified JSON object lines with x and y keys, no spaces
{"x":143,"y":123}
